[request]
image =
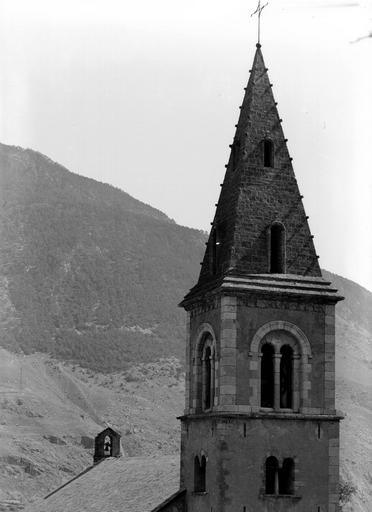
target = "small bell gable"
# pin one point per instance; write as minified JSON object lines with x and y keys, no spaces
{"x":106,"y":444}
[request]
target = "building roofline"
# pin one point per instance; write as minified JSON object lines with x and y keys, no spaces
{"x":169,"y":500}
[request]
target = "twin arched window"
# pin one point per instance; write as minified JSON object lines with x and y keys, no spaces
{"x":279,"y":480}
{"x":276,"y":377}
{"x":281,"y":359}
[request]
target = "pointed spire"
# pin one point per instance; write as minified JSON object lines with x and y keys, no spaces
{"x":260,"y":226}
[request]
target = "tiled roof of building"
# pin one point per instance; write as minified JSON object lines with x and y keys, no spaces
{"x":133,"y":484}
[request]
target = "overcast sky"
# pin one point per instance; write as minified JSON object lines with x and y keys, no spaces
{"x":144,"y":95}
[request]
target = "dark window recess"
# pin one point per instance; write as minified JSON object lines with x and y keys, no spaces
{"x":235,"y":153}
{"x":214,"y":252}
{"x":286,"y":477}
{"x":286,"y":376}
{"x":271,"y":476}
{"x":277,"y":249}
{"x":205,"y":386}
{"x":268,"y":153}
{"x":267,"y":376}
{"x":200,"y":468}
{"x":279,"y":480}
{"x":208,"y":378}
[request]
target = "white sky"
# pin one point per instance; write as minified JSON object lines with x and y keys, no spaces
{"x":144,"y":95}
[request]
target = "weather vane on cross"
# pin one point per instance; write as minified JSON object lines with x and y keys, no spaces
{"x":258,"y":12}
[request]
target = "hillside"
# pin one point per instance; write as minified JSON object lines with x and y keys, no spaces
{"x":51,"y":411}
{"x":90,"y":279}
{"x":354,"y":387}
{"x":88,"y":273}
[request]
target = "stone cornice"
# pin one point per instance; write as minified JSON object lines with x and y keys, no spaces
{"x":277,"y":286}
{"x":261,"y":416}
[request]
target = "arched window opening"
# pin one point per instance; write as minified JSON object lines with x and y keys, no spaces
{"x":268,"y":153}
{"x":277,"y":249}
{"x":286,"y":477}
{"x":107,"y":447}
{"x":205,"y":373}
{"x":200,"y":468}
{"x":271,"y":476}
{"x":267,"y":375}
{"x":286,"y":377}
{"x":235,"y":153}
{"x":207,"y":384}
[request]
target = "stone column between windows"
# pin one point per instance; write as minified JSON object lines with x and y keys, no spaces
{"x":296,"y":382}
{"x":277,"y":358}
{"x":228,"y":354}
{"x":276,"y":484}
{"x":204,"y":387}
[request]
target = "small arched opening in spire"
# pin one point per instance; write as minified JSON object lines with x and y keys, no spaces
{"x":277,"y":248}
{"x":235,"y":153}
{"x":213,"y":252}
{"x":268,"y":153}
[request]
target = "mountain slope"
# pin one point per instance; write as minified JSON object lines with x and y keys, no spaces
{"x":354,"y":387}
{"x":88,"y":273}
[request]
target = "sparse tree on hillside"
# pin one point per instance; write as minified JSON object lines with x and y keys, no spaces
{"x":347,"y":490}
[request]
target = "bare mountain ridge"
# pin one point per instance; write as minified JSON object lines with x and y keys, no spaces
{"x":31,"y":178}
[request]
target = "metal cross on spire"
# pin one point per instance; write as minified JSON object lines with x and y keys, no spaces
{"x":258,"y":12}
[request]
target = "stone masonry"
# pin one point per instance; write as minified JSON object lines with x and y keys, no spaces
{"x":239,"y":306}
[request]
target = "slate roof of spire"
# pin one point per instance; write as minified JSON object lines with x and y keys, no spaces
{"x":132,"y":484}
{"x":254,"y":196}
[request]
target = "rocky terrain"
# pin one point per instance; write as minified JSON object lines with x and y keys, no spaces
{"x":51,"y":411}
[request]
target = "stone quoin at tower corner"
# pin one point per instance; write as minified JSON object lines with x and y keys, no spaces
{"x":260,"y":431}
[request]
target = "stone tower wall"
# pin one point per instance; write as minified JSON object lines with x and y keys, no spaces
{"x":236,"y":450}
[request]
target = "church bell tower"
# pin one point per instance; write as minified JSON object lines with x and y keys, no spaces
{"x":260,"y":431}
